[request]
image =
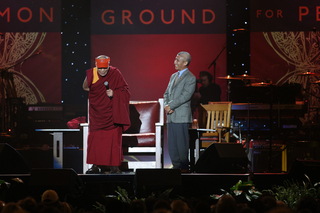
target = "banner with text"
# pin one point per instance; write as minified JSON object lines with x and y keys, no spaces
{"x":143,"y":38}
{"x":30,"y":16}
{"x":284,"y":15}
{"x":158,"y":17}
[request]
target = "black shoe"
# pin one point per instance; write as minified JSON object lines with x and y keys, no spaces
{"x":115,"y":170}
{"x":94,"y":170}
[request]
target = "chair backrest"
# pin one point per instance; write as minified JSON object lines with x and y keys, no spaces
{"x":218,"y":114}
{"x":143,"y":116}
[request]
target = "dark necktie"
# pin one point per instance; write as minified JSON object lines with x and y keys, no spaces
{"x":175,"y":81}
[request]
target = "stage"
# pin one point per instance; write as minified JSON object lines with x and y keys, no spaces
{"x":140,"y":184}
{"x":86,"y":190}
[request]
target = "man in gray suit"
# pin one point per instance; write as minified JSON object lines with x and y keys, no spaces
{"x":177,"y":102}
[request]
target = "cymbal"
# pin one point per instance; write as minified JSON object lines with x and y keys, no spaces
{"x":308,"y":73}
{"x":228,"y":77}
{"x":245,"y":76}
{"x":261,"y":84}
{"x":238,"y":77}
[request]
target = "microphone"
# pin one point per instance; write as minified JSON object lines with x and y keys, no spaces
{"x":106,"y":84}
{"x":107,"y":87}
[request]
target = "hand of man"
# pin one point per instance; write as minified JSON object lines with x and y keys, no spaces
{"x":110,"y":93}
{"x":168,"y":110}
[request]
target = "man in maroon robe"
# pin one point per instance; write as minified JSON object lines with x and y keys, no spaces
{"x":108,"y":114}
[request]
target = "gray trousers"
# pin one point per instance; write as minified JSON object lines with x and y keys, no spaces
{"x":178,"y":144}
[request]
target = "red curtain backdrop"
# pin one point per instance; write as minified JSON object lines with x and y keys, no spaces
{"x":44,"y":70}
{"x":34,"y":61}
{"x":146,"y":61}
{"x":266,"y":64}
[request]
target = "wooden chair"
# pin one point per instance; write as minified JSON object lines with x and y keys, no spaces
{"x":217,"y":116}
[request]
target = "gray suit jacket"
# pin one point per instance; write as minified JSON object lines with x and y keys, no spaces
{"x":178,"y":97}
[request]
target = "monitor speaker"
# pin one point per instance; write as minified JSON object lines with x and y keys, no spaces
{"x":149,"y":181}
{"x":11,"y":162}
{"x":222,"y":158}
{"x":63,"y":181}
{"x":305,"y":169}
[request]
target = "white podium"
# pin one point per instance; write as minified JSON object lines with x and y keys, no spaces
{"x":85,"y":146}
{"x":57,"y":144}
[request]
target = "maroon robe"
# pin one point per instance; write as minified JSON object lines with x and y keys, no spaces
{"x":108,"y":117}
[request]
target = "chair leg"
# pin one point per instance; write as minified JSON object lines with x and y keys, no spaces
{"x":228,"y":137}
{"x":219,"y":132}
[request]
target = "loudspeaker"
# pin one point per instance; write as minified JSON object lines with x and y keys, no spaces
{"x":222,"y":158}
{"x":149,"y":181}
{"x":300,"y":168}
{"x":260,"y":157}
{"x":304,"y":150}
{"x":11,"y":162}
{"x":63,"y":181}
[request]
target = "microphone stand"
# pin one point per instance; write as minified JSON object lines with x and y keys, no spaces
{"x":214,"y":63}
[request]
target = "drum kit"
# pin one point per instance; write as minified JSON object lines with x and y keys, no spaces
{"x":247,"y":83}
{"x":245,"y":78}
